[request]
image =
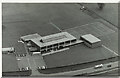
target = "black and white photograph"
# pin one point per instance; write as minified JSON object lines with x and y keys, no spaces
{"x":60,"y":39}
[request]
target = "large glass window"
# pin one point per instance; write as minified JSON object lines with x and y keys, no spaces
{"x":73,"y":40}
{"x":48,"y":50}
{"x":43,"y":47}
{"x":44,"y":51}
{"x":60,"y":47}
{"x":67,"y":42}
{"x":50,"y":46}
{"x":61,"y":43}
{"x":55,"y":45}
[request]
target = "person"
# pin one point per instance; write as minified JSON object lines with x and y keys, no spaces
{"x":101,"y":5}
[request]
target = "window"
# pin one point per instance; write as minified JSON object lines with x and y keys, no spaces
{"x":67,"y":42}
{"x":61,"y":43}
{"x":50,"y":46}
{"x":49,"y":50}
{"x":73,"y":40}
{"x":60,"y":47}
{"x":55,"y":48}
{"x":44,"y":51}
{"x":109,"y":65}
{"x":55,"y":45}
{"x":43,"y":47}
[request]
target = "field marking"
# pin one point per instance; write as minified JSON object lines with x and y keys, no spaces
{"x":73,"y":28}
{"x":78,"y":26}
{"x":55,"y":26}
{"x":110,"y":50}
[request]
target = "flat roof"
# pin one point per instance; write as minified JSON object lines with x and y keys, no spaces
{"x":77,"y":55}
{"x":9,"y":63}
{"x":29,"y":37}
{"x":91,"y":38}
{"x":53,"y":39}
